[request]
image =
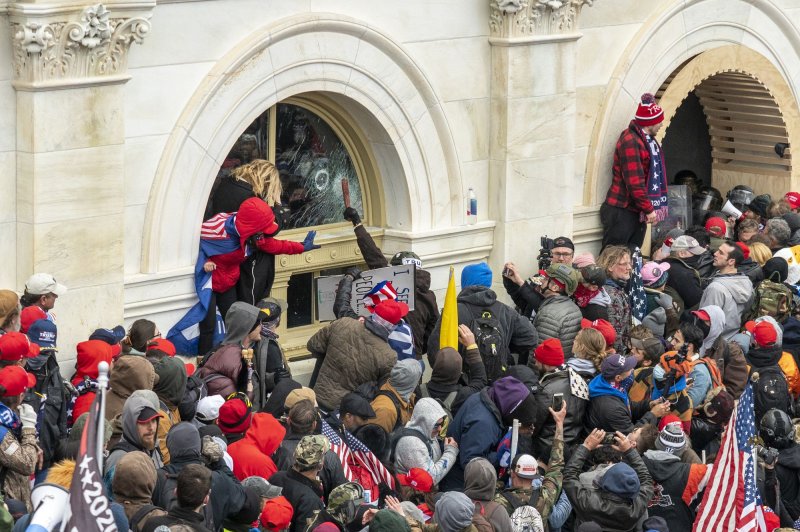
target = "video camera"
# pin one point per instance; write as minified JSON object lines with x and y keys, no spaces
{"x":768,"y":455}
{"x":545,"y":252}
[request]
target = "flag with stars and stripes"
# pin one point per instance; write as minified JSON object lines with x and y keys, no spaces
{"x":349,"y":448}
{"x":636,"y":289}
{"x":732,"y":501}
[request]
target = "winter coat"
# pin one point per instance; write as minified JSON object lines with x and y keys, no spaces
{"x":791,"y":336}
{"x":733,"y":293}
{"x":597,"y":309}
{"x":89,"y":355}
{"x":661,"y":322}
{"x":550,"y":384}
{"x":269,"y":367}
{"x":412,"y":452}
{"x":222,"y":371}
{"x":130,"y":373}
{"x":19,"y":456}
{"x":332,"y":473}
{"x":187,"y":519}
{"x":446,"y":377}
{"x":518,"y":332}
{"x":685,"y":280}
{"x":133,"y":488}
{"x":676,"y":486}
{"x":609,"y":409}
{"x":480,"y":483}
{"x":612,"y":513}
{"x":228,"y":195}
{"x":386,"y":411}
{"x":559,"y":317}
{"x":53,"y":417}
{"x":227,"y":495}
{"x":788,"y":472}
{"x":252,"y":455}
{"x":752,"y":270}
{"x":525,"y":297}
{"x":303,"y":494}
{"x":426,"y":310}
{"x":619,"y":313}
{"x":789,"y":368}
{"x":353,"y":355}
{"x":732,"y":365}
{"x":170,"y":388}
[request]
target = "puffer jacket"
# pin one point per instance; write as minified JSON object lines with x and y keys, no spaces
{"x":733,"y":294}
{"x":130,"y":373}
{"x":412,"y":452}
{"x":517,"y":330}
{"x":559,"y":317}
{"x":353,"y":355}
{"x":619,"y":313}
{"x":423,"y":318}
{"x":612,"y":513}
{"x":252,"y":455}
{"x":550,"y":384}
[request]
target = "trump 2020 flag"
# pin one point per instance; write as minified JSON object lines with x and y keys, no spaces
{"x":89,"y":506}
{"x":448,"y":335}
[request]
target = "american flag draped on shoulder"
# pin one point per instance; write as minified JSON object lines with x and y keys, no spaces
{"x":732,"y":501}
{"x":352,"y":447}
{"x":636,"y":288}
{"x":90,"y":508}
{"x":218,"y":236}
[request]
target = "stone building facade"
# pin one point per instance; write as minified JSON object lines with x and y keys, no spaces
{"x":116,"y":118}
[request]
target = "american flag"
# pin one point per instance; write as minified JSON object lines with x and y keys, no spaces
{"x":380,"y":292}
{"x":636,"y":289}
{"x":351,"y":447}
{"x":732,"y":501}
{"x":214,"y":227}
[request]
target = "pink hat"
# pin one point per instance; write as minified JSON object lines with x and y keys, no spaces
{"x":583,"y":260}
{"x":653,"y":271}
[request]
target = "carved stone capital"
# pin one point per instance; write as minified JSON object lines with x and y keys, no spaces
{"x":530,"y":19}
{"x":55,"y":46}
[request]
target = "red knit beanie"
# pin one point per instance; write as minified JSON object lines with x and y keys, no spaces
{"x":235,"y":415}
{"x":550,"y":352}
{"x":649,"y":113}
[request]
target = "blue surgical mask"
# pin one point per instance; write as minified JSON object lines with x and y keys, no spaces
{"x":658,"y":373}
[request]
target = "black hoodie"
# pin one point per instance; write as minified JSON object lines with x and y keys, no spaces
{"x":788,"y":471}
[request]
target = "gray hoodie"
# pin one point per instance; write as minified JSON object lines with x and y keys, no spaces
{"x":733,"y":293}
{"x":480,"y":483}
{"x":240,"y":320}
{"x":411,"y":452}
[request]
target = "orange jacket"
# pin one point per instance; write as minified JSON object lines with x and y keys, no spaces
{"x":789,"y":368}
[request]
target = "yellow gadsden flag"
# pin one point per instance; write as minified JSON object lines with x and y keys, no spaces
{"x":448,"y":336}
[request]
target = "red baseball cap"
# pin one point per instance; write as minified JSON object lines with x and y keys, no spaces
{"x":417,"y":478}
{"x":29,"y":315}
{"x":15,"y":380}
{"x":716,"y":226}
{"x":603,"y":327}
{"x":763,"y":332}
{"x":391,"y":310}
{"x":15,"y":346}
{"x":702,"y":314}
{"x":277,"y":514}
{"x":793,"y":198}
{"x":162,"y":344}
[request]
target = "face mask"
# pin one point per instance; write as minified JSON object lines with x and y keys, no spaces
{"x":658,"y":373}
{"x":626,"y":384}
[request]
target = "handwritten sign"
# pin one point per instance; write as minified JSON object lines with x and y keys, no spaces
{"x":401,"y":277}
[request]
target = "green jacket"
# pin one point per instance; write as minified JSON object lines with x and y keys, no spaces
{"x":511,"y":499}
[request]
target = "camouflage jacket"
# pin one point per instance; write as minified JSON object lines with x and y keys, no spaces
{"x":18,"y":459}
{"x":511,"y":499}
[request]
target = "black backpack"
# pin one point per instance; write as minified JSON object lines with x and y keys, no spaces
{"x":770,"y":390}
{"x":195,"y":390}
{"x":402,"y":432}
{"x":492,"y":344}
{"x":446,"y":403}
{"x":371,"y":390}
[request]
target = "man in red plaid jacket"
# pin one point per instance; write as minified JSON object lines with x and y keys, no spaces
{"x":628,"y":208}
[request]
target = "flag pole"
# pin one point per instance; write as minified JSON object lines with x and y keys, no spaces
{"x":102,"y":385}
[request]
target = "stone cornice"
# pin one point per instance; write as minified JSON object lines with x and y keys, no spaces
{"x":519,"y":21}
{"x":58,"y":45}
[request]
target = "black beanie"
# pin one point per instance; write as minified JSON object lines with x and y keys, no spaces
{"x":776,"y":270}
{"x":251,"y":508}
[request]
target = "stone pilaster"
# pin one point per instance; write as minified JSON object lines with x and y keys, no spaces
{"x":533,"y":123}
{"x":70,"y":64}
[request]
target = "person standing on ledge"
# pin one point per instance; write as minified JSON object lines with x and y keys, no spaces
{"x":638,"y":192}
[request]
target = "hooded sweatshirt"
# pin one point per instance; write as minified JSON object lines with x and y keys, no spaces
{"x":411,"y":452}
{"x":446,"y":376}
{"x":403,"y":380}
{"x":252,"y":455}
{"x":170,"y":388}
{"x":130,"y":373}
{"x":454,"y":511}
{"x":134,"y":483}
{"x":733,"y":294}
{"x":676,"y":487}
{"x":89,"y":355}
{"x":223,"y":370}
{"x":480,"y":482}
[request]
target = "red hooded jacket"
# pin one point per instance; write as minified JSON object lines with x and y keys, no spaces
{"x":252,"y":455}
{"x":254,"y":216}
{"x":90,"y":354}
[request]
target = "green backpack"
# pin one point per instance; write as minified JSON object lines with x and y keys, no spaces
{"x":771,"y":299}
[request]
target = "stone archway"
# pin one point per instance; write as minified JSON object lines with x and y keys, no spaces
{"x":309,"y":53}
{"x":768,"y":49}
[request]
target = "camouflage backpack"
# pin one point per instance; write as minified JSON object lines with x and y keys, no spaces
{"x":771,"y":299}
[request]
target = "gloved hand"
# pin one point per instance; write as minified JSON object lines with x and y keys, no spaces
{"x":28,"y":416}
{"x":308,"y":243}
{"x":210,"y":450}
{"x":353,"y":272}
{"x":664,"y":301}
{"x":351,"y":215}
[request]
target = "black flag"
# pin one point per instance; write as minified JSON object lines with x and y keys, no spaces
{"x":91,"y":509}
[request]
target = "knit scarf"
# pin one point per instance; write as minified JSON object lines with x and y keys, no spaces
{"x":656,"y":180}
{"x":583,"y":296}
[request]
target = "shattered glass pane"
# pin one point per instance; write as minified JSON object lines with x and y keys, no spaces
{"x":312,"y":162}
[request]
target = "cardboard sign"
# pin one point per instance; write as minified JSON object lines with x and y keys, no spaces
{"x":401,"y":277}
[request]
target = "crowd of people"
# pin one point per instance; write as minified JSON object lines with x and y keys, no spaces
{"x":597,"y":402}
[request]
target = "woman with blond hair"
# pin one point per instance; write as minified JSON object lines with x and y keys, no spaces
{"x":260,"y":179}
{"x":589,"y":350}
{"x":618,"y":264}
{"x":760,"y":253}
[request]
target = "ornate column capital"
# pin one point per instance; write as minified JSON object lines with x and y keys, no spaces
{"x":513,"y":21}
{"x":63,"y":46}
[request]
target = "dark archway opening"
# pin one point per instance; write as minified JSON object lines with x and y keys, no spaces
{"x":687,"y":143}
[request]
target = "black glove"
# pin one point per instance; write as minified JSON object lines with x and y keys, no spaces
{"x":351,"y":215}
{"x":353,"y":272}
